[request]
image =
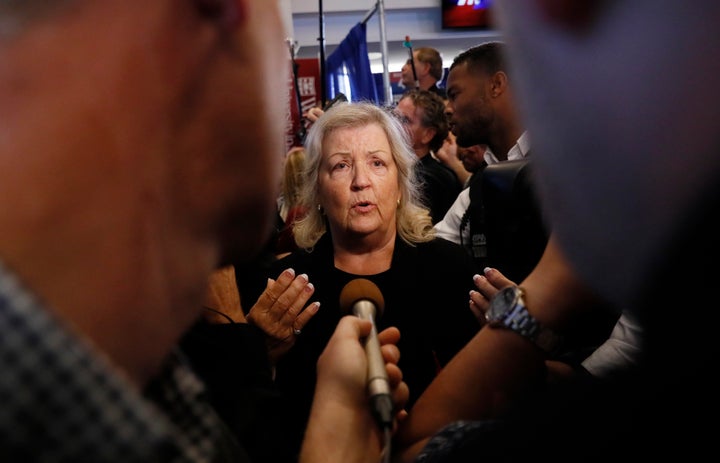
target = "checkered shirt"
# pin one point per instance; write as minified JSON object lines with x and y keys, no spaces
{"x":63,"y":401}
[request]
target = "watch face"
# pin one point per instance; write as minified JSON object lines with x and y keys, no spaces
{"x":501,"y":303}
{"x":507,"y":310}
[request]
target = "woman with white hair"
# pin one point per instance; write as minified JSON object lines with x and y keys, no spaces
{"x":365,"y":220}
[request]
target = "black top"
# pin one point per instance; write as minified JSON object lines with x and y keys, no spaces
{"x":426,"y":298}
{"x":441,"y":186}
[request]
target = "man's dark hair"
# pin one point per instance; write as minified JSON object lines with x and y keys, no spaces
{"x":488,"y":57}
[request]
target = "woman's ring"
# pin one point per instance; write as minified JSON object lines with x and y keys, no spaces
{"x":297,"y":332}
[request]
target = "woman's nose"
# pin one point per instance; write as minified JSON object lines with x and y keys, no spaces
{"x":361,"y":179}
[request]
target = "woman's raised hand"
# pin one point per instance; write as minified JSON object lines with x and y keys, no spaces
{"x":281,"y":311}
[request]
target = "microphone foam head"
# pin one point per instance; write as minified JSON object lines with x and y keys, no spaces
{"x":361,"y":289}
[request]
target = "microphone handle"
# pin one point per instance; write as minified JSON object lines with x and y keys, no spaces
{"x":377,"y":382}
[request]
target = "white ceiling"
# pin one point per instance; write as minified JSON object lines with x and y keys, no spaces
{"x":418,"y":19}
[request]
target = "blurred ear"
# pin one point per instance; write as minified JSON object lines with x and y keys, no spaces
{"x":427,"y":134}
{"x":227,"y":12}
{"x":499,"y":83}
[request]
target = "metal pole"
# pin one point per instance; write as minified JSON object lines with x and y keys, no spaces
{"x":369,"y":14}
{"x":321,"y":39}
{"x":411,"y":60}
{"x":384,"y":48}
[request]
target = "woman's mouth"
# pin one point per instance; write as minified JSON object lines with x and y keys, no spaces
{"x":363,"y":206}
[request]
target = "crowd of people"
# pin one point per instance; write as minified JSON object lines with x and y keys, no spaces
{"x":165,"y":296}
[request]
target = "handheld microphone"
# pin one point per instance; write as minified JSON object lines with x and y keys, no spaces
{"x":363,"y":299}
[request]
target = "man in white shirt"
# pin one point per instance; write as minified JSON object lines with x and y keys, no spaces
{"x":482,"y":110}
{"x":449,"y":226}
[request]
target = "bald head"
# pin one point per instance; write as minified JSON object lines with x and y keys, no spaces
{"x":129,"y":164}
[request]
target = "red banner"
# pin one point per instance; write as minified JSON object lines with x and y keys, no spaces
{"x":308,"y":87}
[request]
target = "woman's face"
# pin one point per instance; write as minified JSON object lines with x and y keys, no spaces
{"x":358,"y":184}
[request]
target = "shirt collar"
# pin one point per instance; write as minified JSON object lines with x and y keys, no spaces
{"x":520,"y":149}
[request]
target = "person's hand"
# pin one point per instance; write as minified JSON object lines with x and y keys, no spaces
{"x":222,"y":300}
{"x":281,"y":313}
{"x":313,"y":114}
{"x":341,"y":425}
{"x":343,"y":364}
{"x":448,"y":155}
{"x":448,"y":151}
{"x":488,"y":285}
{"x":391,"y":353}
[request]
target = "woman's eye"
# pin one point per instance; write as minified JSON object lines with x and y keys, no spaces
{"x":340,"y":166}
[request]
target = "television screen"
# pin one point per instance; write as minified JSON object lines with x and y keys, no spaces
{"x":466,"y":14}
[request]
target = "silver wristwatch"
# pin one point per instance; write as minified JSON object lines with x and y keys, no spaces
{"x":507,"y":310}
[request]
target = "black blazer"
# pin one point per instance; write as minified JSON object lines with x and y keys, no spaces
{"x":426,"y":298}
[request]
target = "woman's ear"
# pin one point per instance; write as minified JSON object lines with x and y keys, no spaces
{"x":227,"y":12}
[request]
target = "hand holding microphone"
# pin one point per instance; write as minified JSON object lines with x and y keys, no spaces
{"x":342,"y":386}
{"x":363,"y":298}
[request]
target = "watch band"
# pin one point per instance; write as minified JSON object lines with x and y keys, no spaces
{"x":508,"y":310}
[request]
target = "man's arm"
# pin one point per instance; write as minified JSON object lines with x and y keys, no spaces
{"x":498,"y":366}
{"x":449,"y":227}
